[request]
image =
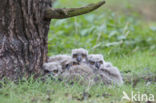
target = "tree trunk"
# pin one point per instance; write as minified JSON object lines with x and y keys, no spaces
{"x":23,"y":37}
{"x":24,"y":26}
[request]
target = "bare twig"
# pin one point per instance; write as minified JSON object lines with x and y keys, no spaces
{"x":61,"y":13}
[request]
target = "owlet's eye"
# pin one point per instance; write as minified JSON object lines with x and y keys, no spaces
{"x":92,"y":62}
{"x":101,"y":62}
{"x":55,"y":71}
{"x":75,"y":56}
{"x":75,"y":63}
{"x":83,"y":55}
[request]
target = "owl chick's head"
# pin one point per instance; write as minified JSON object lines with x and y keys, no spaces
{"x":53,"y":68}
{"x":80,"y":55}
{"x":68,"y":63}
{"x":95,"y":60}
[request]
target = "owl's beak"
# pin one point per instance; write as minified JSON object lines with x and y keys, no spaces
{"x":79,"y":59}
{"x":68,"y":67}
{"x":97,"y":65}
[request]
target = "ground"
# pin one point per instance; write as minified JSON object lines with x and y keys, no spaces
{"x":123,"y":34}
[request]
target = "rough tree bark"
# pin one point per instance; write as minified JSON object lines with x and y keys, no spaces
{"x":23,"y":37}
{"x":24,"y":28}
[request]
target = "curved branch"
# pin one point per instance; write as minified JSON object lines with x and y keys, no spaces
{"x":62,"y":13}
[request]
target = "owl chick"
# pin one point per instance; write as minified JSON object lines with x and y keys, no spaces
{"x":59,"y":61}
{"x":105,"y":70}
{"x":68,"y":63}
{"x":80,"y":73}
{"x":60,"y":65}
{"x":95,"y":61}
{"x":53,"y":68}
{"x":112,"y":72}
{"x":80,"y":55}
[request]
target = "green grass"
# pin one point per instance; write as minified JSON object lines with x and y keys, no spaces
{"x":51,"y":91}
{"x":124,"y":39}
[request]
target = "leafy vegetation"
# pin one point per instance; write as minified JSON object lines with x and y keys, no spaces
{"x":127,"y":40}
{"x":102,"y":31}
